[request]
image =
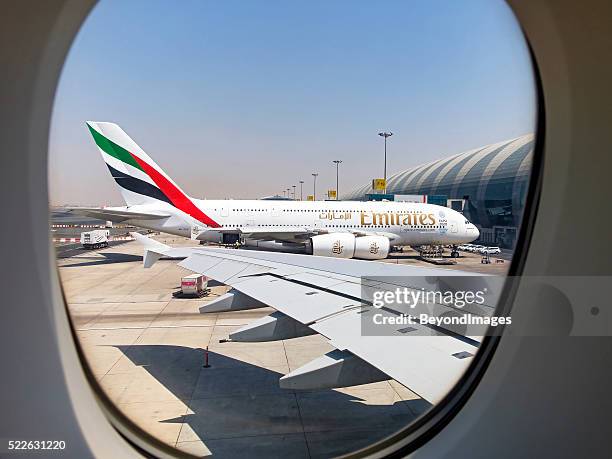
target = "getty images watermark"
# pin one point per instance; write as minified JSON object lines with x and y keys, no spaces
{"x":474,"y":306}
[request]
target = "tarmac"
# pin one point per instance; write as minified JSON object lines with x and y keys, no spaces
{"x":146,"y":349}
{"x":469,"y":262}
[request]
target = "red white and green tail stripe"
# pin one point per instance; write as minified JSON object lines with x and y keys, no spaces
{"x":141,"y":180}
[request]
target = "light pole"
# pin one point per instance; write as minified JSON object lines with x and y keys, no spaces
{"x":337,"y":163}
{"x":301,"y":194}
{"x":289,"y":193}
{"x":314,"y":186}
{"x":385,"y":135}
{"x":293,"y":186}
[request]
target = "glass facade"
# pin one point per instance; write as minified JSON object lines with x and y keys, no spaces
{"x":492,"y":180}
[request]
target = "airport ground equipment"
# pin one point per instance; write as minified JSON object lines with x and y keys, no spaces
{"x":194,"y":285}
{"x":430,"y":251}
{"x":95,"y":239}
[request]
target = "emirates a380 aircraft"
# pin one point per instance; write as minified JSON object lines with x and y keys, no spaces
{"x":340,"y":229}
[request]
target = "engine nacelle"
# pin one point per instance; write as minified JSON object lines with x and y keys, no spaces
{"x":211,"y":236}
{"x":336,"y":245}
{"x":372,"y":247}
{"x":218,"y":237}
{"x":346,"y":245}
{"x":288,"y":247}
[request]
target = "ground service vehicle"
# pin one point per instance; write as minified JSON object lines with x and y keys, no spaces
{"x":95,"y":239}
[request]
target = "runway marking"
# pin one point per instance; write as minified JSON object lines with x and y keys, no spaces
{"x":156,"y":326}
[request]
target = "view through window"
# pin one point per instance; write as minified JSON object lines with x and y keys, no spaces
{"x":249,"y":200}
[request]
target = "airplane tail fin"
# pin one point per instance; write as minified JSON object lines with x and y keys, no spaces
{"x":133,"y":170}
{"x":140,"y":179}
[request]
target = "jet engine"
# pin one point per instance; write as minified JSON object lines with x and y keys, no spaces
{"x":211,"y":236}
{"x":372,"y":247}
{"x":218,"y":237}
{"x":337,"y":245}
{"x":346,"y":245}
{"x":290,"y":247}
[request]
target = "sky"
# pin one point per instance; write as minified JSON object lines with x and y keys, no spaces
{"x":245,"y":98}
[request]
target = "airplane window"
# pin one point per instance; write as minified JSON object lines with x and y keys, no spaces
{"x":175,"y":344}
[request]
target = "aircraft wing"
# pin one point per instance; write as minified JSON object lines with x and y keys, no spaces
{"x":255,"y":230}
{"x":116,"y":215}
{"x":283,"y":234}
{"x":326,"y":296}
{"x":298,"y":233}
{"x":295,"y":234}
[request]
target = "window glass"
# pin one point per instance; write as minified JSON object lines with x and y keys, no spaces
{"x":168,"y":115}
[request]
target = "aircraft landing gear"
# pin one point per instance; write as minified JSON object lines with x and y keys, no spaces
{"x":454,"y":252}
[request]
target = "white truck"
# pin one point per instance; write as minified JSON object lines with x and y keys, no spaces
{"x":95,"y":239}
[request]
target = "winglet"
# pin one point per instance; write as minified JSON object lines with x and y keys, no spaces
{"x":154,"y":250}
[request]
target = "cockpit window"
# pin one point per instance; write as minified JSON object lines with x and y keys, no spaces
{"x":209,"y":313}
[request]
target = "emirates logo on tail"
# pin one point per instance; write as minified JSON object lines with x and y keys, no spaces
{"x":138,"y":174}
{"x":337,"y":248}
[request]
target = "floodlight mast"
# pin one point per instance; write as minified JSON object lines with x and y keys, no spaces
{"x":314,"y":186}
{"x":385,"y":135}
{"x":337,"y":163}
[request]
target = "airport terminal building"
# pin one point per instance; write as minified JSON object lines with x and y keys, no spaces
{"x":489,"y":184}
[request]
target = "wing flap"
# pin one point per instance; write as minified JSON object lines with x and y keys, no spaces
{"x":421,"y":359}
{"x":222,"y":269}
{"x":305,"y":304}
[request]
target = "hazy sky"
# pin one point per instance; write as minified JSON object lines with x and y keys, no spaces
{"x":244,"y":98}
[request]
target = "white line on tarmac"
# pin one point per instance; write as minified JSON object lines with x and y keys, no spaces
{"x":157,"y":326}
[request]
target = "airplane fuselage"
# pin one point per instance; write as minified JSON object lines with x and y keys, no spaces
{"x":402,"y":223}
